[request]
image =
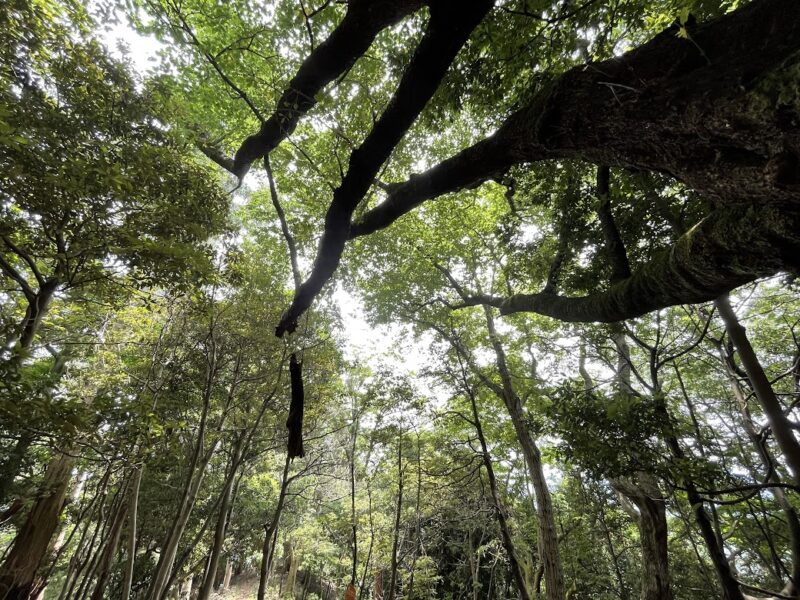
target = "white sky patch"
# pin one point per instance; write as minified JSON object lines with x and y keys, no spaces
{"x":127,"y":44}
{"x":381,"y":344}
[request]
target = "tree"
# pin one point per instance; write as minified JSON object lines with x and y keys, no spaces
{"x":646,"y":110}
{"x":70,"y":109}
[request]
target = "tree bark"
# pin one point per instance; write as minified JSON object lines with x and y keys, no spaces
{"x":651,"y":520}
{"x":19,"y":573}
{"x":397,"y":515}
{"x":133,"y":510}
{"x":103,"y":569}
{"x":226,"y":582}
{"x":792,"y":587}
{"x":548,"y":538}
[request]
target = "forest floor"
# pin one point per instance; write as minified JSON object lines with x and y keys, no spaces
{"x":241,"y":589}
{"x":246,"y":588}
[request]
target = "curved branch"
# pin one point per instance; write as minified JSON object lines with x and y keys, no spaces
{"x":448,"y":29}
{"x":727,"y":249}
{"x":364,"y":20}
{"x":287,"y":235}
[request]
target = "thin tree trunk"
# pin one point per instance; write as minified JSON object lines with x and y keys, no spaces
{"x":19,"y":573}
{"x":226,"y":582}
{"x":548,"y":538}
{"x":398,"y":512}
{"x":270,"y":530}
{"x":291,"y":576}
{"x":80,"y":556}
{"x":508,"y":542}
{"x":100,"y":539}
{"x":418,"y":531}
{"x":133,"y":509}
{"x":196,"y":471}
{"x":780,"y":424}
{"x":222,"y":523}
{"x":731,"y":590}
{"x":622,"y":591}
{"x":103,"y":569}
{"x":353,"y":522}
{"x":792,"y":587}
{"x":362,"y":586}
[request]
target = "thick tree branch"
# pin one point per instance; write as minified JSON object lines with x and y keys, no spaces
{"x":216,"y":155}
{"x":364,"y":20}
{"x":615,"y":247}
{"x":469,"y":168}
{"x":448,"y":29}
{"x":660,"y":107}
{"x":727,"y":249}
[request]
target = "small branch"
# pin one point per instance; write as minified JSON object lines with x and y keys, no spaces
{"x":215,"y":64}
{"x":26,"y":257}
{"x":558,"y":261}
{"x":287,"y":235}
{"x":12,"y":273}
{"x":618,"y":256}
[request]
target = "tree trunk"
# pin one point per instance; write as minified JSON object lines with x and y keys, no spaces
{"x":353,"y":521}
{"x":226,"y":582}
{"x":792,"y":587}
{"x":731,"y":589}
{"x":651,"y":519}
{"x":294,"y":562}
{"x":103,"y":569}
{"x":194,"y":478}
{"x":270,"y":531}
{"x":19,"y":574}
{"x":398,"y":513}
{"x":222,"y":523}
{"x":548,"y":538}
{"x":508,"y":542}
{"x":133,"y":509}
{"x":781,"y":427}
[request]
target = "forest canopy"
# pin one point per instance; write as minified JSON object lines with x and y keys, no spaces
{"x":420,"y":299}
